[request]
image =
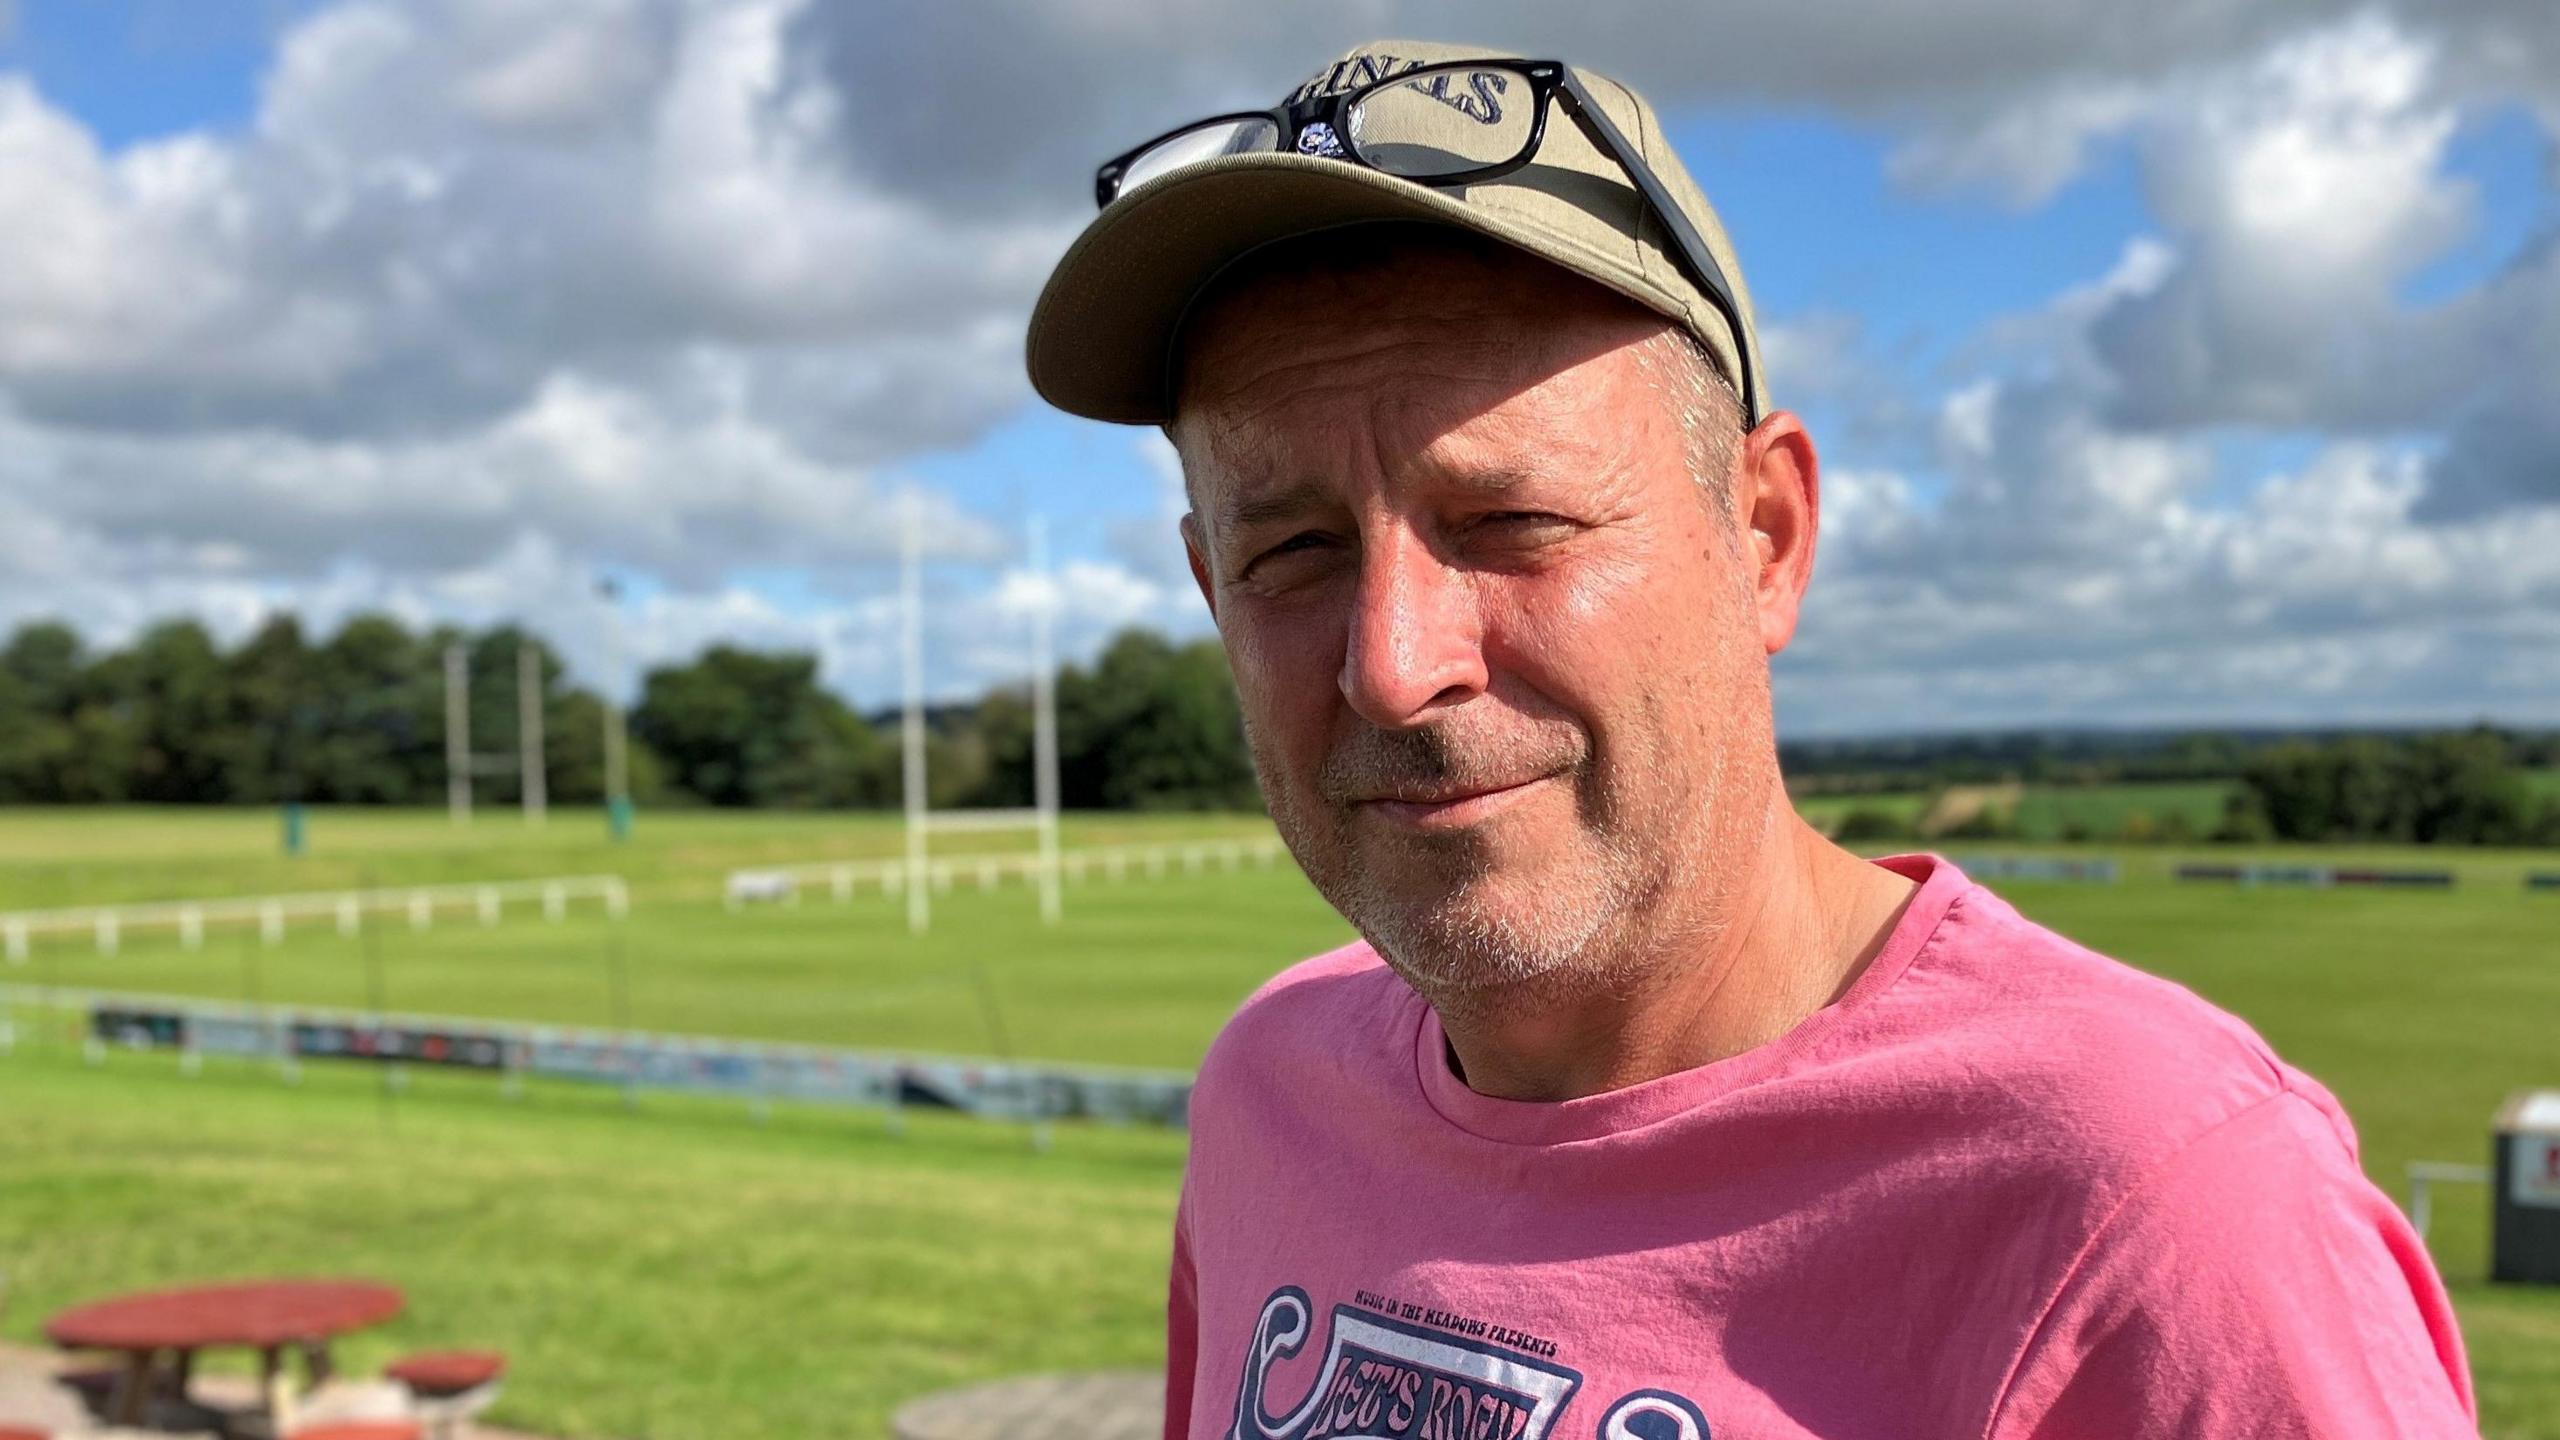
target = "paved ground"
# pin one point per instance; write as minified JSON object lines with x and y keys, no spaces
{"x":1102,"y":1405}
{"x":28,"y":1395}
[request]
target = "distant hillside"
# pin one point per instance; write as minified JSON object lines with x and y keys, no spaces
{"x":2082,"y":757}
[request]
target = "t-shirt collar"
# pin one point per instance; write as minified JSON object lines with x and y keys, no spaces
{"x":1592,"y":1117}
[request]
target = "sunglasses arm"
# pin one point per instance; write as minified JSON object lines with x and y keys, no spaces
{"x":1685,"y":238}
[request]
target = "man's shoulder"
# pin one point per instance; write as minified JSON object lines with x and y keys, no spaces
{"x":2101,"y":1066}
{"x":1341,"y":1007}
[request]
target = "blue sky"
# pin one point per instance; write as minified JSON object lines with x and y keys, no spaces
{"x":387,"y":314}
{"x":143,"y":69}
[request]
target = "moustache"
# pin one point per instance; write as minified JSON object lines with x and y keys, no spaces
{"x":1371,"y":763}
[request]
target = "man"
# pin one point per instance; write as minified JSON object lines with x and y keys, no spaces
{"x":1640,"y":1109}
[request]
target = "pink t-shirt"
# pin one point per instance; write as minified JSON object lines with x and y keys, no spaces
{"x":2003,"y":1187}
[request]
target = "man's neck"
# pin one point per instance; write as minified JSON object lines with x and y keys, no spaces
{"x":1805,"y":921}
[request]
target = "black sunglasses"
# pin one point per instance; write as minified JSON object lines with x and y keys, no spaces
{"x":1402,"y":125}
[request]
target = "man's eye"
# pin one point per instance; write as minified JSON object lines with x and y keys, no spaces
{"x":1303,"y":540}
{"x":1521,"y":524}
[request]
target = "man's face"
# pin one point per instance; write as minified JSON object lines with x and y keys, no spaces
{"x":1498,"y":651}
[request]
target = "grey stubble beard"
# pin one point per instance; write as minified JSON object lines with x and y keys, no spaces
{"x":1470,"y":955}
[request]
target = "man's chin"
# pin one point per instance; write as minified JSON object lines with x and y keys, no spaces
{"x":1476,"y":935}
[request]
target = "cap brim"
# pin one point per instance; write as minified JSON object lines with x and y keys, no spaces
{"x":1101,"y":335}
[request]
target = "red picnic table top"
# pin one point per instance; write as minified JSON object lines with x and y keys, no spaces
{"x":262,"y":1314}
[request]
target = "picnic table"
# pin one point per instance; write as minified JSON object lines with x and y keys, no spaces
{"x":268,"y":1316}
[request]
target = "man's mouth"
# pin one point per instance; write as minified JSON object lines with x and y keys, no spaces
{"x":1447,"y":807}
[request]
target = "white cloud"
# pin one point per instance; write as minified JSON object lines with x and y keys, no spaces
{"x":679,"y":485}
{"x":2078,"y":580}
{"x":2298,"y":192}
{"x":2027,"y":151}
{"x":488,"y":296}
{"x":2086,"y":559}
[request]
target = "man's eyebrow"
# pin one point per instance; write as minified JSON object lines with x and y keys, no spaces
{"x":1295,"y":498}
{"x":1490,"y":482}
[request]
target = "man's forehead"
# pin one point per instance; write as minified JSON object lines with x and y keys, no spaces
{"x":1316,"y":450}
{"x":1387,"y":335}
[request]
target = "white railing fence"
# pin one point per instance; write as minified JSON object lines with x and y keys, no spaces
{"x":419,"y":905}
{"x":845,"y":879}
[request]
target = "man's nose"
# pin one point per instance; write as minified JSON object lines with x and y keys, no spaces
{"x":1416,"y":643}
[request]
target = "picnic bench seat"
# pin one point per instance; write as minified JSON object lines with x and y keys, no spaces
{"x":451,"y":1386}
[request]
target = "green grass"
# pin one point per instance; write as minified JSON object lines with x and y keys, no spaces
{"x":675,"y":1272}
{"x":1825,"y":810}
{"x":95,"y":855}
{"x":679,"y":1271}
{"x":1140,"y":976}
{"x":2047,"y":812}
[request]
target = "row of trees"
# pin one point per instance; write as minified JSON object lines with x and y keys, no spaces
{"x":2068,"y":757}
{"x":174,"y":718}
{"x":2437,"y":788}
{"x":2442,"y":789}
{"x":358,"y":717}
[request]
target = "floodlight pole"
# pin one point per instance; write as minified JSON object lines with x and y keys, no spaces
{"x":457,"y":733}
{"x":537,"y":799}
{"x":617,"y":762}
{"x":1044,"y":725}
{"x":911,"y":723}
{"x":617,"y":721}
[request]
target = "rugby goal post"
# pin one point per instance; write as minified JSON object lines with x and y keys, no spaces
{"x":921,"y":820}
{"x":528,"y":763}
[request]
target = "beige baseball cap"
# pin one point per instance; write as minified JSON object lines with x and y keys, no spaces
{"x":1102,"y":335}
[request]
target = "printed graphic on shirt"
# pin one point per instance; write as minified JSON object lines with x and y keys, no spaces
{"x":1382,"y":1380}
{"x":1653,"y":1415}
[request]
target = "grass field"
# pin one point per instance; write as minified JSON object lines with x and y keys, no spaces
{"x":1140,"y":977}
{"x":678,"y":1271}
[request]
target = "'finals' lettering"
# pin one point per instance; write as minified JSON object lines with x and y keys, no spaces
{"x":1480,"y":100}
{"x":1353,"y":73}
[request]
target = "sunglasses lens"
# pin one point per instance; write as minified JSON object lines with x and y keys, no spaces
{"x":1249,"y":135}
{"x":1444,"y":121}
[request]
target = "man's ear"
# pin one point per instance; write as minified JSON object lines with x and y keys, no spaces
{"x":1778,"y":490}
{"x":1192,"y":547}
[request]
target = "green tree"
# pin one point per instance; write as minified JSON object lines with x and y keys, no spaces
{"x":169,"y":688}
{"x":2463,"y":789}
{"x":1870,"y":822}
{"x":2244,"y":819}
{"x":1003,"y":722}
{"x":1153,"y":726}
{"x":366,"y":727}
{"x":272,"y":717}
{"x":736,"y":727}
{"x":39,"y":688}
{"x":2430,"y":789}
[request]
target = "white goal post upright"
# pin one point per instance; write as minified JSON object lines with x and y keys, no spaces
{"x":922,"y":820}
{"x":1044,"y":723}
{"x":457,"y":733}
{"x":911,"y":723}
{"x":532,"y":767}
{"x":532,"y":763}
